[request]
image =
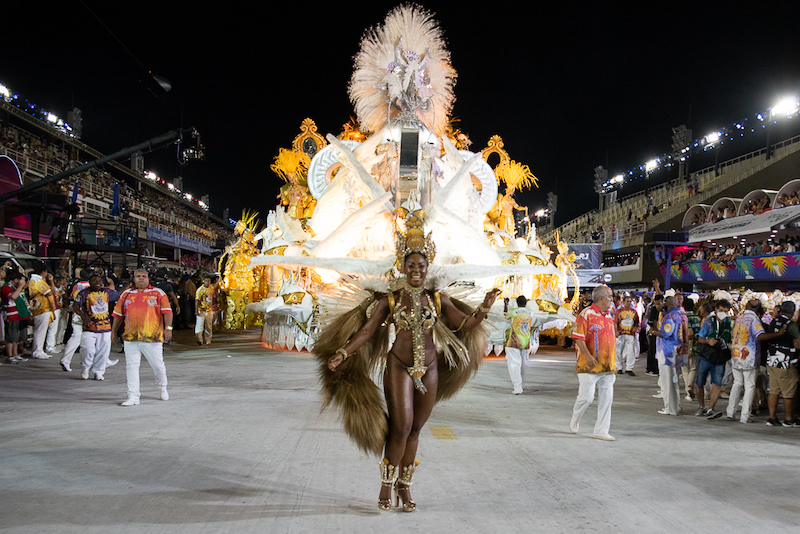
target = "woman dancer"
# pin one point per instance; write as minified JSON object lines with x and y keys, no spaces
{"x":432,"y":332}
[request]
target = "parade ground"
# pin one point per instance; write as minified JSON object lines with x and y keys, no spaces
{"x":241,"y":447}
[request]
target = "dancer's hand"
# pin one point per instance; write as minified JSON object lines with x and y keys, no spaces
{"x":491,"y":296}
{"x":334,"y":361}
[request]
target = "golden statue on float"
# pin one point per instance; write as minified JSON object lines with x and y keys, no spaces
{"x":240,"y":283}
{"x":500,"y":218}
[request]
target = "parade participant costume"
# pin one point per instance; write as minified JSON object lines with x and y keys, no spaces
{"x":96,"y":334}
{"x":668,"y":346}
{"x":406,"y":180}
{"x":518,"y":345}
{"x":74,"y":340}
{"x":41,"y":306}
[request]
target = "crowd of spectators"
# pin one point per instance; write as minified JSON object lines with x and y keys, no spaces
{"x":728,"y":253}
{"x":792,"y":199}
{"x":166,"y":208}
{"x":33,"y":147}
{"x":755,"y":206}
{"x":620,"y":260}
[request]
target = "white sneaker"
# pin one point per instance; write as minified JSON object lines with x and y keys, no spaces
{"x":517,"y":391}
{"x":164,"y":394}
{"x":688,"y":397}
{"x":130,"y":402}
{"x":658,"y":396}
{"x":98,"y":376}
{"x":37,"y":357}
{"x":112,"y":363}
{"x":65,"y":366}
{"x":574,"y":426}
{"x":664,"y":411}
{"x":85,"y":374}
{"x":604,"y":437}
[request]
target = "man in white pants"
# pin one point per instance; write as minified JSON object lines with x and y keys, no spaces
{"x":669,"y":345}
{"x":518,"y":343}
{"x":626,"y":323}
{"x":747,"y":333}
{"x":74,"y":340}
{"x":596,"y":362}
{"x":41,"y":291}
{"x":148,"y":323}
{"x":92,"y":306}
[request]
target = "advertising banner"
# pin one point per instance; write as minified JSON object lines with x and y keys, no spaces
{"x":784,"y":266}
{"x":587,"y":255}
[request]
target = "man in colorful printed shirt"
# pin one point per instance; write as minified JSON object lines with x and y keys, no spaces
{"x":41,"y":292}
{"x":205,"y":297}
{"x":747,"y":332}
{"x":668,"y":352}
{"x":626,"y":322}
{"x":147,"y":318}
{"x":596,"y":361}
{"x":92,"y":307}
{"x":518,"y":343}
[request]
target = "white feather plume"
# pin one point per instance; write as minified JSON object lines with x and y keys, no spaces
{"x":371,"y":84}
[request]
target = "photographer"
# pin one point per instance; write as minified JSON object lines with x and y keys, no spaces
{"x":713,"y":352}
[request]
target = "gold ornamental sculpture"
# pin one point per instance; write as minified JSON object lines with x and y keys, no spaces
{"x":515,"y":176}
{"x":240,"y":283}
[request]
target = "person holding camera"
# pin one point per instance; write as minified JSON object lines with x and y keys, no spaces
{"x":713,"y":352}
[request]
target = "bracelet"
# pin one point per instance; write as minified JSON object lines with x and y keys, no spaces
{"x":481,"y":309}
{"x":343,"y":353}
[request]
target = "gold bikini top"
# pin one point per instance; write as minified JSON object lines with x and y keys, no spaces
{"x":418,"y":320}
{"x":422,"y":315}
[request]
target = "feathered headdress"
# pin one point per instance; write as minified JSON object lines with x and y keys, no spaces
{"x":291,"y":163}
{"x":403,"y":66}
{"x":516,"y":175}
{"x":414,"y":239}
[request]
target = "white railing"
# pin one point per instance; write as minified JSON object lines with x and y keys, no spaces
{"x":30,"y":164}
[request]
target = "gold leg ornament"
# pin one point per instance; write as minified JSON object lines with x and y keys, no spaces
{"x":388,"y":476}
{"x":404,"y":484}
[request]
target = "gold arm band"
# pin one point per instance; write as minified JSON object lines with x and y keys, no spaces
{"x":343,"y":353}
{"x":462,"y":323}
{"x":480,"y":309}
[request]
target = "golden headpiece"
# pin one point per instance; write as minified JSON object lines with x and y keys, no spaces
{"x":414,"y":239}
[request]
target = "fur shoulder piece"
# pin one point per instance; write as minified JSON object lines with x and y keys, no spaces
{"x":350,"y":388}
{"x":469,"y":346}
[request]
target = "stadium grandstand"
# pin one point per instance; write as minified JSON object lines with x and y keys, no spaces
{"x":732,"y":224}
{"x":109,"y":214}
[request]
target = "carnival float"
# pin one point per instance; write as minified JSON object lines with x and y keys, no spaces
{"x":331,"y":240}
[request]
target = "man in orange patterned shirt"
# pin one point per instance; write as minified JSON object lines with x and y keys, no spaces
{"x":148,"y":323}
{"x":596,"y":362}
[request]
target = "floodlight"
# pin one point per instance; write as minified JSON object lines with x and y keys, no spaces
{"x":786,"y":107}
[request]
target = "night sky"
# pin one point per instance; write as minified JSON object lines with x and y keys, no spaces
{"x":568,"y":88}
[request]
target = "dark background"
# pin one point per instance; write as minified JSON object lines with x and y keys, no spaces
{"x":568,"y":88}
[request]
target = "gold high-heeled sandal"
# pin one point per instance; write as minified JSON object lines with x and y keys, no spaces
{"x":388,"y":476}
{"x":403,"y":483}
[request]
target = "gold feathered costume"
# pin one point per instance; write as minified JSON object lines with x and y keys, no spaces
{"x":354,"y":393}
